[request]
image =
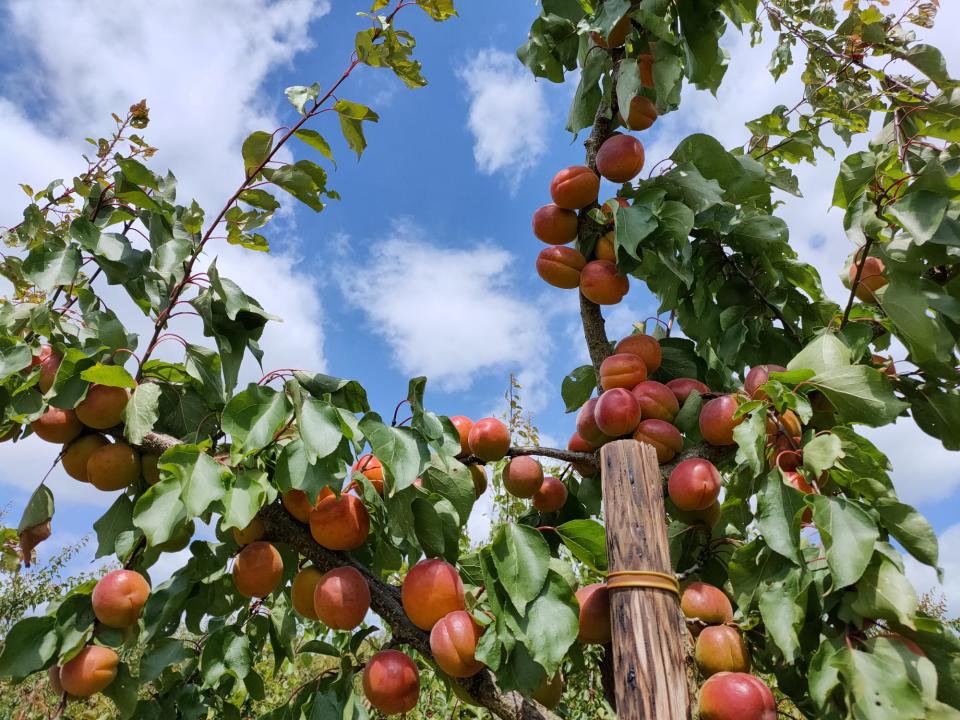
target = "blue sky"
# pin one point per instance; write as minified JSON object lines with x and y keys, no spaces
{"x":427,"y":264}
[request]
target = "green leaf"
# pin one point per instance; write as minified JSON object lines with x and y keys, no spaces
{"x":39,"y":509}
{"x":137,"y":173}
{"x":202,"y":479}
{"x":403,"y":453}
{"x":225,"y":652}
{"x":159,"y":511}
{"x":877,"y":687}
{"x":928,"y":60}
{"x":260,"y":199}
{"x":142,"y":412}
{"x":911,"y":529}
{"x":254,"y":417}
{"x":319,"y":426}
{"x":352,"y":116}
{"x":317,"y":142}
{"x":783,"y":609}
{"x":586,"y":540}
{"x":634,"y":225}
{"x":255,"y":150}
{"x":860,"y":394}
{"x":251,"y":490}
{"x":111,"y":375}
{"x":48,"y":267}
{"x":884,"y":592}
{"x":295,"y":473}
{"x":300,"y":95}
{"x":848,"y":534}
{"x":522,"y":559}
{"x":578,"y":386}
{"x":822,"y":453}
{"x":439,"y":10}
{"x":778,"y":506}
{"x":824,"y":354}
{"x":164,"y":653}
{"x":13,"y":359}
{"x":29,"y":646}
{"x":204,"y":366}
{"x":123,"y":692}
{"x":115,"y":521}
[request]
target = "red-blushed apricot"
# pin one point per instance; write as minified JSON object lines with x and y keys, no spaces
{"x":717,"y":421}
{"x":663,"y":436}
{"x":642,"y":114}
{"x":575,"y":187}
{"x":709,"y":517}
{"x":550,"y":691}
{"x":587,"y":424}
{"x":49,"y":363}
{"x":578,"y":444}
{"x":369,"y":466}
{"x":489,"y":439}
{"x":391,"y":682}
{"x":522,"y":476}
{"x":682,"y":387}
{"x":645,"y":70}
{"x":656,"y":400}
{"x":298,"y":504}
{"x":103,"y":407}
{"x":720,"y":648}
{"x":113,"y":467}
{"x":620,"y":158}
{"x":341,"y":598}
{"x":57,"y":426}
{"x":555,"y":225}
{"x":149,"y":469}
{"x":76,"y":454}
{"x":302,"y":590}
{"x":694,"y":484}
{"x":736,"y":696}
{"x":594,"y":603}
{"x":53,"y":677}
{"x":758,"y":375}
{"x":431,"y":589}
{"x":463,"y":425}
{"x":251,"y":533}
{"x":798,"y":482}
{"x":617,"y":412}
{"x":871,"y":278}
{"x":645,"y":347}
{"x":601,"y":283}
{"x":560,"y":266}
{"x":257,"y":570}
{"x":118,"y":598}
{"x":705,"y":602}
{"x":90,"y":671}
{"x":551,"y":496}
{"x":605,"y":248}
{"x":479,"y":476}
{"x":622,"y":370}
{"x":339,"y":523}
{"x":617,"y":37}
{"x":453,"y":642}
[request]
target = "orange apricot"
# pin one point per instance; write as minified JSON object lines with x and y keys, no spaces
{"x":341,"y":598}
{"x":618,"y":35}
{"x":298,"y":504}
{"x":620,"y":158}
{"x":149,"y":469}
{"x":578,"y":444}
{"x":551,"y":496}
{"x":113,"y":467}
{"x":302,"y":591}
{"x":463,"y":425}
{"x":57,"y":426}
{"x":644,"y":346}
{"x":555,"y":225}
{"x":372,"y":470}
{"x":720,"y":648}
{"x":489,"y":439}
{"x":682,"y":387}
{"x":871,"y":278}
{"x":522,"y":476}
{"x":479,"y":476}
{"x":251,"y":533}
{"x":707,"y":603}
{"x":622,"y":370}
{"x":453,"y":642}
{"x":340,"y":523}
{"x":717,"y":422}
{"x":694,"y":484}
{"x":594,"y":603}
{"x":645,"y":70}
{"x":431,"y":589}
{"x":642,"y":113}
{"x":103,"y":407}
{"x":736,"y":696}
{"x":76,"y":454}
{"x":118,"y":598}
{"x":575,"y":187}
{"x":90,"y":671}
{"x":656,"y":400}
{"x":663,"y":436}
{"x":605,"y":248}
{"x":391,"y":682}
{"x":561,"y":266}
{"x":602,"y":283}
{"x":257,"y":570}
{"x":587,"y":426}
{"x":617,"y":412}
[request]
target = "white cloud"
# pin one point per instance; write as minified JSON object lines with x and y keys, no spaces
{"x":924,"y":578}
{"x":507,"y":116}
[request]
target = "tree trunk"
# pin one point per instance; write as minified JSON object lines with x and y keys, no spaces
{"x":648,"y":658}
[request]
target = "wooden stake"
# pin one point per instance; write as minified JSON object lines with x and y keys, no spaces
{"x":648,"y":650}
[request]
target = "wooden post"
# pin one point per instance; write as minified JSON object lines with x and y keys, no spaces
{"x":649,"y":668}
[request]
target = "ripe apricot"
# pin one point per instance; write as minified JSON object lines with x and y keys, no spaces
{"x":620,"y":158}
{"x":617,"y":412}
{"x":717,"y":421}
{"x":644,"y":346}
{"x":298,"y":504}
{"x":736,"y":696}
{"x":49,"y":363}
{"x":103,"y":407}
{"x":656,"y":400}
{"x":720,"y":648}
{"x":785,"y":454}
{"x":694,"y":484}
{"x":550,"y":691}
{"x":251,"y":533}
{"x":118,"y":598}
{"x":682,"y":387}
{"x":463,"y":425}
{"x":622,"y":370}
{"x":149,"y":469}
{"x":645,"y":70}
{"x":57,"y":426}
{"x":76,"y":454}
{"x":871,"y":278}
{"x":554,"y":225}
{"x":605,"y":248}
{"x":522,"y":476}
{"x":594,"y":603}
{"x":758,"y":375}
{"x":479,"y":475}
{"x":709,"y":517}
{"x":561,"y":266}
{"x":617,"y":37}
{"x":489,"y":439}
{"x":702,"y":601}
{"x":341,"y":598}
{"x":391,"y":682}
{"x":369,"y":466}
{"x":642,"y":114}
{"x":431,"y":589}
{"x":587,"y":424}
{"x":453,"y":642}
{"x":340,"y":523}
{"x":113,"y":467}
{"x":791,"y":423}
{"x":551,"y":496}
{"x":90,"y":671}
{"x":578,"y":444}
{"x":257,"y":570}
{"x":601,"y":283}
{"x":53,"y":677}
{"x":798,"y":482}
{"x":302,"y":590}
{"x":575,"y":187}
{"x":663,"y":436}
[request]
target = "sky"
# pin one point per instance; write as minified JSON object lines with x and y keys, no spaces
{"x":426,"y":265}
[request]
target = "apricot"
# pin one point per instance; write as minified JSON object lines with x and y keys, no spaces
{"x":302,"y":591}
{"x":522,"y":477}
{"x":758,"y":375}
{"x":798,"y":482}
{"x":391,"y":682}
{"x":340,"y":523}
{"x":479,"y":476}
{"x":682,"y":387}
{"x":431,"y":589}
{"x":605,"y":248}
{"x":645,"y":347}
{"x":642,"y":113}
{"x":453,"y":642}
{"x":578,"y":444}
{"x":663,"y":436}
{"x":118,"y":598}
{"x":601,"y":283}
{"x":251,"y":533}
{"x":550,"y":691}
{"x":622,"y":370}
{"x":560,"y":266}
{"x":785,"y":455}
{"x":620,"y":158}
{"x":736,"y":696}
{"x":57,"y":426}
{"x":372,"y":470}
{"x":617,"y":37}
{"x":575,"y":187}
{"x":554,"y":225}
{"x":871,"y":279}
{"x":617,"y":412}
{"x":694,"y":484}
{"x":609,"y":212}
{"x":594,"y":603}
{"x":149,"y":469}
{"x":709,"y":517}
{"x":53,"y":677}
{"x":551,"y":496}
{"x":489,"y":439}
{"x":49,"y":363}
{"x":341,"y":598}
{"x":258,"y":569}
{"x":463,"y":425}
{"x":791,"y":423}
{"x":720,"y":648}
{"x":113,"y":467}
{"x":103,"y":407}
{"x":645,"y":70}
{"x":90,"y":671}
{"x":717,"y":421}
{"x":656,"y":400}
{"x":76,"y":454}
{"x":702,"y":601}
{"x":298,"y":504}
{"x":587,"y":424}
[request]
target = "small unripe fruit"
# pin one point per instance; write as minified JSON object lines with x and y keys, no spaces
{"x":605,"y":248}
{"x":479,"y":476}
{"x":302,"y":589}
{"x":594,"y":603}
{"x":617,"y":37}
{"x":340,"y":523}
{"x":663,"y":436}
{"x":118,"y":598}
{"x":76,"y":454}
{"x":758,"y":375}
{"x":871,"y":279}
{"x":391,"y":682}
{"x":257,"y":570}
{"x":113,"y":467}
{"x":251,"y":533}
{"x":560,"y":266}
{"x":341,"y":598}
{"x":642,"y":114}
{"x":372,"y":470}
{"x":702,"y":601}
{"x":149,"y":469}
{"x":453,"y":642}
{"x":644,"y":346}
{"x":90,"y":671}
{"x":623,"y":370}
{"x":575,"y":187}
{"x":463,"y":425}
{"x":617,"y":412}
{"x":587,"y":424}
{"x":298,"y":504}
{"x":431,"y":589}
{"x":522,"y":476}
{"x":489,"y":439}
{"x":656,"y":400}
{"x":103,"y":407}
{"x":620,"y":158}
{"x":57,"y":426}
{"x":554,"y":225}
{"x":720,"y":648}
{"x":551,"y":496}
{"x":694,"y":484}
{"x":601,"y":283}
{"x":736,"y":696}
{"x":49,"y":365}
{"x":717,"y":422}
{"x":550,"y":692}
{"x":682,"y":387}
{"x":578,"y":444}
